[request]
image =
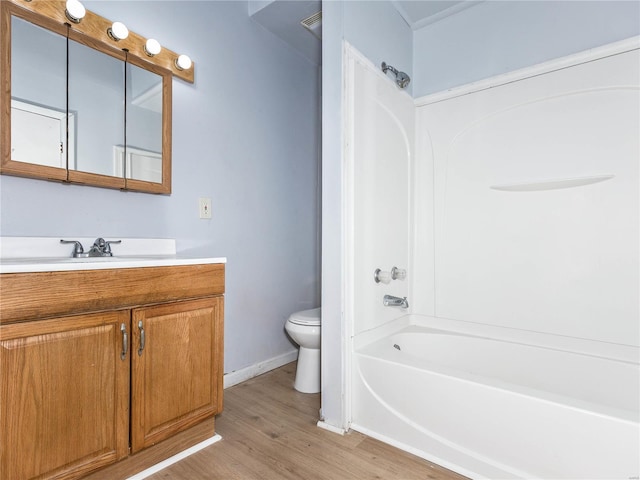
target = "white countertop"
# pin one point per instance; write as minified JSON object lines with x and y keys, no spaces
{"x":22,"y":265}
{"x":47,"y":254}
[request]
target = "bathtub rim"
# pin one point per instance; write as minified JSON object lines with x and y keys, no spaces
{"x":617,"y":414}
{"x":605,"y":350}
{"x":367,"y":340}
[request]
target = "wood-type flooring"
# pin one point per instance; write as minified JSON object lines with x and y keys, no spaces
{"x":269,"y":432}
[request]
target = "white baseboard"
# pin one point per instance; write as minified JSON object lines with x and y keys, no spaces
{"x":239,"y":376}
{"x":176,"y":458}
{"x":331,"y":428}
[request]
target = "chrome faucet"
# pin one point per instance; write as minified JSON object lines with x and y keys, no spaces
{"x":102,"y":247}
{"x":391,"y":301}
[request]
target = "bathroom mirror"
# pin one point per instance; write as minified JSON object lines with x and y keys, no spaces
{"x":147,"y":108}
{"x":96,"y":98}
{"x":82,"y":108}
{"x":38,"y":140}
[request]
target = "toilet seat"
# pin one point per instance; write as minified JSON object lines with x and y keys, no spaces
{"x":309,"y":318}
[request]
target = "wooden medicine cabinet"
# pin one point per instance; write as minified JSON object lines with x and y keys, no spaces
{"x":78,"y":106}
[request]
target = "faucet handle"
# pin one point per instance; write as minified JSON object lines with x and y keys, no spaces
{"x":77,"y":248}
{"x":398,"y":273}
{"x":381,"y":277}
{"x":107,"y":245}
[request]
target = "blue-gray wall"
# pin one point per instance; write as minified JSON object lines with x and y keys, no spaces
{"x":380,"y":33}
{"x":496,"y":37}
{"x":245,"y":134}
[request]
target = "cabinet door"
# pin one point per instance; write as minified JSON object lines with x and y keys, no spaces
{"x":64,"y":397}
{"x":177,"y":377}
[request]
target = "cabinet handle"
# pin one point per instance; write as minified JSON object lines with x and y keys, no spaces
{"x":125,"y":341}
{"x":142,"y":338}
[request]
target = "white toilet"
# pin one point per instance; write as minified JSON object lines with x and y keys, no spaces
{"x":304,"y":329}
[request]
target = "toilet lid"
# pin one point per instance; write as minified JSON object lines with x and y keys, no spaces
{"x":306,"y":317}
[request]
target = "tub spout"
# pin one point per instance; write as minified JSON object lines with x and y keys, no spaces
{"x":391,"y":301}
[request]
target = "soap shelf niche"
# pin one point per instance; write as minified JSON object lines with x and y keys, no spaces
{"x":551,"y":184}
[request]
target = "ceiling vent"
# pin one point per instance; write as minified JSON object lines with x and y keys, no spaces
{"x":313,"y":23}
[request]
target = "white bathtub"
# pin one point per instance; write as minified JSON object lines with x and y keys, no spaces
{"x":490,"y":408}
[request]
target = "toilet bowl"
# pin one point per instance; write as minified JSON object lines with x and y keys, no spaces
{"x":304,"y":328}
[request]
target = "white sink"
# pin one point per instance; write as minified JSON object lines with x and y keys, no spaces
{"x":49,"y":255}
{"x":26,"y":265}
{"x":103,"y":259}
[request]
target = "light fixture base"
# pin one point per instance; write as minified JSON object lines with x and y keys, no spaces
{"x":74,"y":11}
{"x":69,"y":17}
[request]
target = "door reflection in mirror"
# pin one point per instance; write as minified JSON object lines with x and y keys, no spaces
{"x":38,"y":100}
{"x":144,"y":125}
{"x":39,"y":135}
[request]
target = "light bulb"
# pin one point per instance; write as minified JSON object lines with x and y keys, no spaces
{"x":74,"y":11}
{"x":152,"y":47}
{"x":118,"y":31}
{"x":183,"y":62}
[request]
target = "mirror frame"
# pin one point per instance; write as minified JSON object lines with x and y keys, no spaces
{"x":165,"y":186}
{"x":92,"y":33}
{"x":7,"y":165}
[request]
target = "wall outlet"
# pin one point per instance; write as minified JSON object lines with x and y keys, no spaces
{"x":205,"y":207}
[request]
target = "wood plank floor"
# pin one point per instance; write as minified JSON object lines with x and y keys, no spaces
{"x":269,"y":432}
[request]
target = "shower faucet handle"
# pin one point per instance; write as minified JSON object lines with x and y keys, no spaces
{"x":381,"y":276}
{"x":385,"y":277}
{"x":398,"y":273}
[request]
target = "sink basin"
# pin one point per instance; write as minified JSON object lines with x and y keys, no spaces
{"x":22,"y":265}
{"x":15,"y":255}
{"x":96,"y":259}
{"x":58,"y":260}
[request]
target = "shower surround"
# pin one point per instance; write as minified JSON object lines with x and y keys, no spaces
{"x":513,"y":205}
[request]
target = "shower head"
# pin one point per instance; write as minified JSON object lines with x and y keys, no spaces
{"x":402,"y":79}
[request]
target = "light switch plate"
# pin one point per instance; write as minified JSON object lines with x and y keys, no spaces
{"x":205,"y":207}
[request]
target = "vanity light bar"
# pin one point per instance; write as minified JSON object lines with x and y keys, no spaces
{"x":111,"y":34}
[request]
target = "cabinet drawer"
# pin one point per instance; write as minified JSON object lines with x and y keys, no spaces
{"x":50,"y":294}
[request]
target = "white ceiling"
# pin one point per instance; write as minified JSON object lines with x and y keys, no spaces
{"x":282,"y":17}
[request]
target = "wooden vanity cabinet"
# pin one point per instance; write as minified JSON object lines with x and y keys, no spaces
{"x":75,"y":396}
{"x":176,"y":379}
{"x":64,"y":397}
